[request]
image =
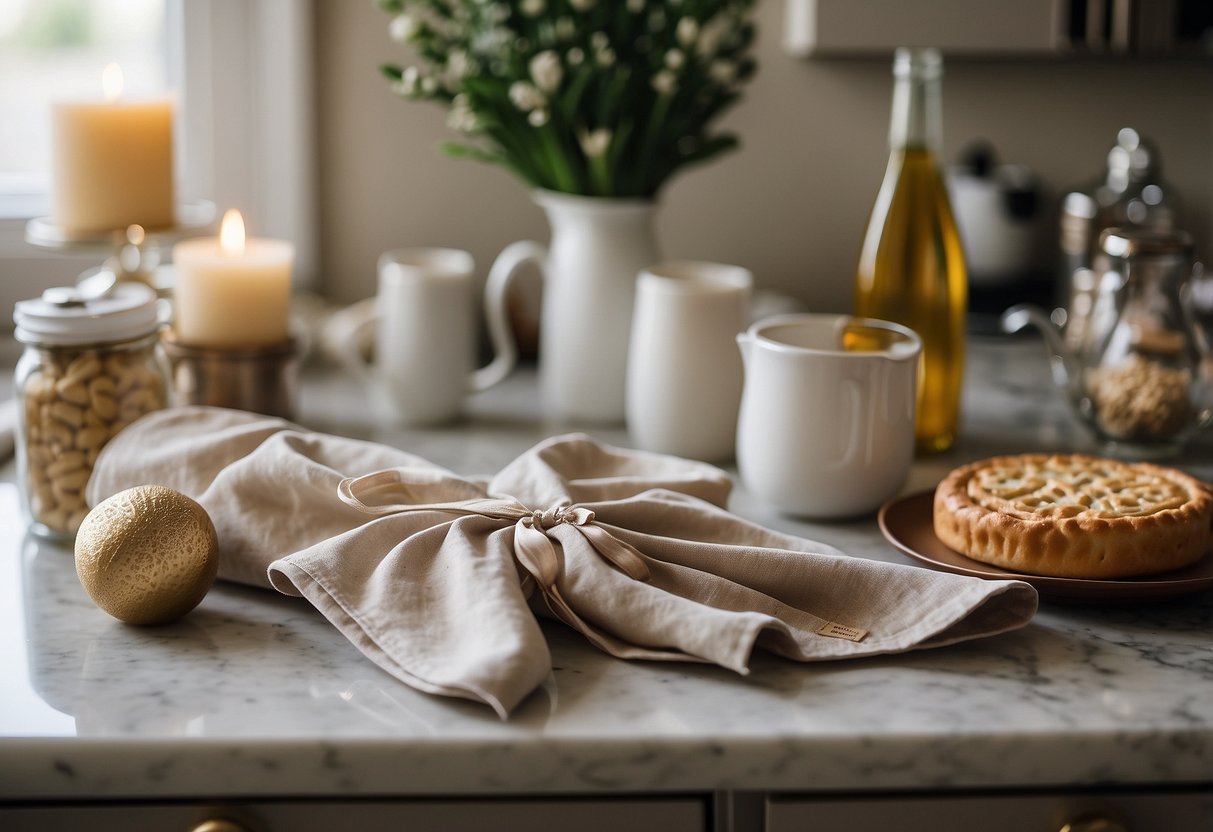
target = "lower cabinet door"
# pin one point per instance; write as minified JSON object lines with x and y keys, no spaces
{"x":633,"y":815}
{"x":1162,"y":811}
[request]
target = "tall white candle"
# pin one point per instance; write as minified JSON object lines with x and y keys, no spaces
{"x":112,"y":162}
{"x":230,"y":291}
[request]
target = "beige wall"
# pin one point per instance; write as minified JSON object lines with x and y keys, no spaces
{"x":791,"y":204}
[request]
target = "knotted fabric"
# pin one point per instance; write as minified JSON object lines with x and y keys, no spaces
{"x":437,"y":578}
{"x":533,"y":548}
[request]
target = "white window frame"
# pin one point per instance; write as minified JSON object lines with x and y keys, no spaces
{"x":245,"y":136}
{"x":248,"y":130}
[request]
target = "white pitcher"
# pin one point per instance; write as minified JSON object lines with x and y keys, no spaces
{"x":684,"y":374}
{"x":826,"y":427}
{"x":598,"y":247}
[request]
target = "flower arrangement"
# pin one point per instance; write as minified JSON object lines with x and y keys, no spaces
{"x":592,"y":97}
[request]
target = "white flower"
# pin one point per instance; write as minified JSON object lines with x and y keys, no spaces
{"x":723,"y":72}
{"x":461,"y":117}
{"x":665,"y":82}
{"x":458,"y":67}
{"x":546,"y":71}
{"x":538,"y":118}
{"x":594,"y":143}
{"x":687,"y":31}
{"x":407,"y":85}
{"x":575,"y":56}
{"x":429,"y":85}
{"x":494,"y":42}
{"x":605,"y":57}
{"x":599,"y":40}
{"x":656,"y":20}
{"x":713,"y":34}
{"x":532,"y":8}
{"x":675,"y":58}
{"x":403,"y":28}
{"x":526,"y":97}
{"x":565,"y":28}
{"x":635,"y":6}
{"x":581,"y":5}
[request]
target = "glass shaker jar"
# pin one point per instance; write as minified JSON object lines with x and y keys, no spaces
{"x":1145,"y":382}
{"x":1132,"y":194}
{"x":90,"y":367}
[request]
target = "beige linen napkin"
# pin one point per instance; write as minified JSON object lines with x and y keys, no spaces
{"x":430,"y":574}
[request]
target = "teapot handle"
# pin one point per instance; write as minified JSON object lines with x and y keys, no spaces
{"x":1188,"y":310}
{"x":496,"y":309}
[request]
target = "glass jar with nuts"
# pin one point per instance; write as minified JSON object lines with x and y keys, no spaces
{"x":91,"y":366}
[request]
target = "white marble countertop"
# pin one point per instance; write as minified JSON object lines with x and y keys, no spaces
{"x":255,"y":694}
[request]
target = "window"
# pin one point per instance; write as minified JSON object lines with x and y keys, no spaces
{"x":241,"y":72}
{"x":55,"y":50}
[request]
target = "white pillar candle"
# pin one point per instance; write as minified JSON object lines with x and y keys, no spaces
{"x":112,"y":162}
{"x":232,"y":292}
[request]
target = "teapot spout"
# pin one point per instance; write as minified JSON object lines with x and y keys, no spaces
{"x":1024,"y":315}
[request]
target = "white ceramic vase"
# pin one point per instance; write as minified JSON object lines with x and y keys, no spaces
{"x":598,"y":247}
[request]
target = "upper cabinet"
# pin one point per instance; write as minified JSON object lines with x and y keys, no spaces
{"x":1040,"y":28}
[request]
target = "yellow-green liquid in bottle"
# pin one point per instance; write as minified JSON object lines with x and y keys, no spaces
{"x":912,"y":268}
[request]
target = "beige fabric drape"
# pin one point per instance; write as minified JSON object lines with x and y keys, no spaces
{"x":434,"y":576}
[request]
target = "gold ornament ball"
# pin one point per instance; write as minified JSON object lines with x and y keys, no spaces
{"x":147,"y":555}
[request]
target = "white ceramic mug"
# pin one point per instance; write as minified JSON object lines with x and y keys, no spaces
{"x":424,"y":319}
{"x":827,"y":414}
{"x":684,"y":374}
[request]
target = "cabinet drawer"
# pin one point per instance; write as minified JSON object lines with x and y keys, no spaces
{"x":634,"y":815}
{"x":1177,"y":811}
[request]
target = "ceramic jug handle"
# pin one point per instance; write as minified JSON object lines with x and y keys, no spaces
{"x":344,"y":337}
{"x":496,"y":289}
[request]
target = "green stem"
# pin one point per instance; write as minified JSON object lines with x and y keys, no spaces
{"x":562,"y":175}
{"x":600,"y":175}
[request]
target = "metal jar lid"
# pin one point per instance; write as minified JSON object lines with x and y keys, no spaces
{"x":64,"y":317}
{"x":1145,"y":242}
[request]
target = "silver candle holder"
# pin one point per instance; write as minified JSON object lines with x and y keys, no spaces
{"x":134,"y":252}
{"x":260,"y":379}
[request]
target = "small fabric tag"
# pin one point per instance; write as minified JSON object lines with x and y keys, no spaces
{"x":833,"y":629}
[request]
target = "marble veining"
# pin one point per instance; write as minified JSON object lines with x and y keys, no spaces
{"x":255,"y":694}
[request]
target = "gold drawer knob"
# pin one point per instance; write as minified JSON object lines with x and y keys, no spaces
{"x":219,"y":825}
{"x":1095,"y":823}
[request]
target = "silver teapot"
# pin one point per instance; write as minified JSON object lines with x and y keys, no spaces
{"x":1133,"y":362}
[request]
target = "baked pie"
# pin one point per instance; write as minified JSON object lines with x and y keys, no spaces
{"x":1074,"y":516}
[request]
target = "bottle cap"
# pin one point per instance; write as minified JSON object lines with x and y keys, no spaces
{"x":917,"y":62}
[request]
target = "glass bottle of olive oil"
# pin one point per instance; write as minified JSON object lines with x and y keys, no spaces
{"x":912,"y":267}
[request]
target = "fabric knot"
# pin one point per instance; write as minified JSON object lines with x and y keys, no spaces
{"x":533,"y":543}
{"x":562,"y":512}
{"x":535,"y":538}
